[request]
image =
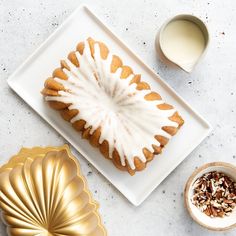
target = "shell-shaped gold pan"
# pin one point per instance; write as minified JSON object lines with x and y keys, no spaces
{"x":42,"y":193}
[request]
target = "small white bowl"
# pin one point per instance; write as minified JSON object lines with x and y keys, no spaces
{"x":215,"y":223}
{"x":159,"y":41}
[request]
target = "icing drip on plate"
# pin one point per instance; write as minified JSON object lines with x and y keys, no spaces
{"x":127,"y":121}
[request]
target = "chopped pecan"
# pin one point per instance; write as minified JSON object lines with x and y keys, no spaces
{"x":214,"y":194}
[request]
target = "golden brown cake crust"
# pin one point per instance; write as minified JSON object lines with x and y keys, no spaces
{"x":51,"y":88}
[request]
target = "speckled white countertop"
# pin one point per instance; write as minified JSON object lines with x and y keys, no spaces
{"x":210,"y":88}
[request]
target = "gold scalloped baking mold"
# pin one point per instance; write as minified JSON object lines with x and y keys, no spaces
{"x":42,"y":193}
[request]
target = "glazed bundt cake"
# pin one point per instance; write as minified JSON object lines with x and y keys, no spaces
{"x":110,"y":105}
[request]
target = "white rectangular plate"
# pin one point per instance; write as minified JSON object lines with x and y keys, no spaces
{"x":29,"y":79}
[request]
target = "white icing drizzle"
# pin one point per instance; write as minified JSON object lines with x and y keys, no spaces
{"x":128,"y":122}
